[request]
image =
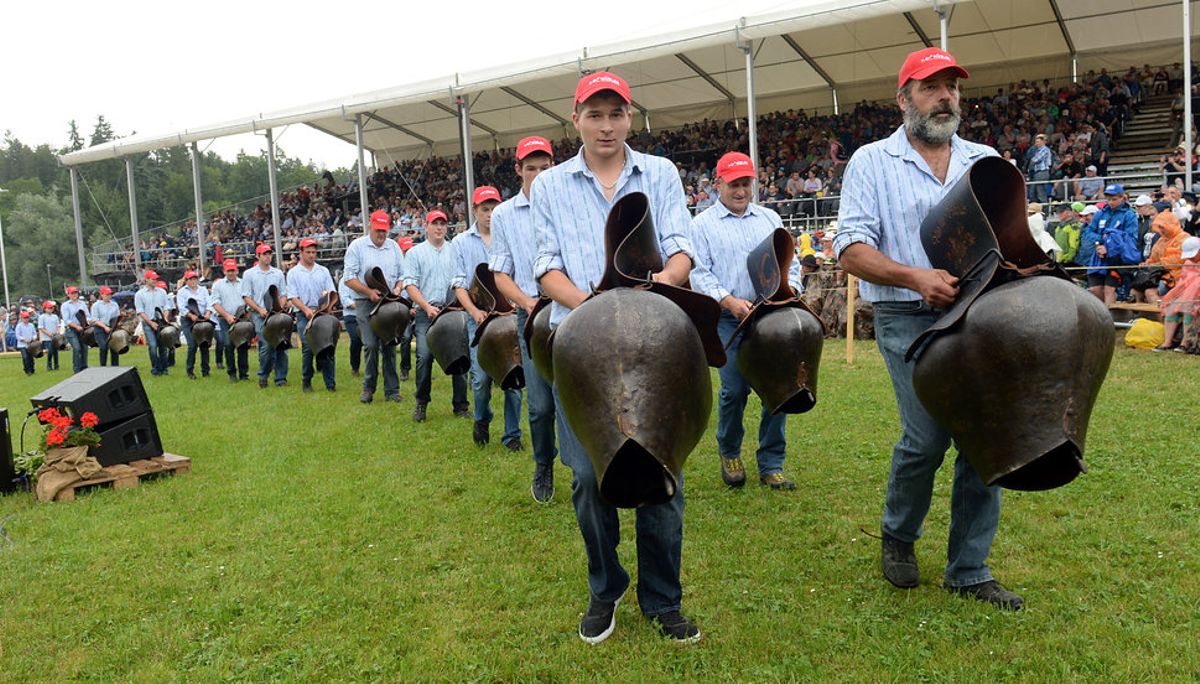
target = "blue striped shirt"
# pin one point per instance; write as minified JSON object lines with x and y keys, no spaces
{"x":48,"y":322}
{"x":149,"y":299}
{"x":345,"y":294}
{"x":256,"y":282}
{"x":723,"y":240}
{"x":70,"y":307}
{"x":105,"y":312}
{"x":514,"y":243}
{"x":1040,"y":158}
{"x":362,"y":255}
{"x":570,"y":209}
{"x":431,"y":270}
{"x":227,"y":293}
{"x":306,"y":285}
{"x":469,"y":251}
{"x":27,"y":334}
{"x":185,"y":295}
{"x":887,"y":190}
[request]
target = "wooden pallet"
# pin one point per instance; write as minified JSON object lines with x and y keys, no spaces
{"x":127,"y":475}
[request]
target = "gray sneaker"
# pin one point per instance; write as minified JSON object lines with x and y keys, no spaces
{"x":543,"y":483}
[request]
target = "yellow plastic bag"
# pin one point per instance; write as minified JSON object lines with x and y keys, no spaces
{"x":1145,"y":334}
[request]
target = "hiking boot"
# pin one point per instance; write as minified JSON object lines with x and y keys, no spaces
{"x":354,"y":373}
{"x":675,"y":626}
{"x":262,"y":383}
{"x":900,"y":563}
{"x":419,"y":413}
{"x":367,"y":396}
{"x":991,"y":592}
{"x":191,"y":376}
{"x":330,"y":388}
{"x":777,"y":482}
{"x":732,"y":471}
{"x":514,"y":445}
{"x":403,"y":376}
{"x":306,"y":387}
{"x":480,"y":433}
{"x":599,"y":621}
{"x":393,"y":397}
{"x":462,"y":412}
{"x":543,"y":482}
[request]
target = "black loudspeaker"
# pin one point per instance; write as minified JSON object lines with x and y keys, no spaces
{"x":113,"y":393}
{"x":7,"y":474}
{"x":129,"y":440}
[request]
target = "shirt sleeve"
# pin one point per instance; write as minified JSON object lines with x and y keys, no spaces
{"x":500,"y":258}
{"x":460,"y":265}
{"x":352,"y":263}
{"x":549,"y":253}
{"x":412,"y":274}
{"x":675,"y":224}
{"x":702,"y":276}
{"x":247,"y":288}
{"x":858,"y":215}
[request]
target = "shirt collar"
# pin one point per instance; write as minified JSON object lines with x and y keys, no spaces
{"x":633,"y":162}
{"x":752,"y":209}
{"x":898,"y":145}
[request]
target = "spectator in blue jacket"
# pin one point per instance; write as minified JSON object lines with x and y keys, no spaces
{"x":1114,"y":230}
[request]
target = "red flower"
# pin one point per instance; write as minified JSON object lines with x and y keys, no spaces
{"x":55,"y":437}
{"x":89,"y":420}
{"x":62,"y":422}
{"x":49,"y":415}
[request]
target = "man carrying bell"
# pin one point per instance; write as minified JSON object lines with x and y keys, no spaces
{"x":307,"y":282}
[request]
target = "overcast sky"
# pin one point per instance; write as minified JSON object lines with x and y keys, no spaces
{"x":156,"y":67}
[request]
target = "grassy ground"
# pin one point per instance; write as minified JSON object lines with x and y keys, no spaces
{"x":318,"y":539}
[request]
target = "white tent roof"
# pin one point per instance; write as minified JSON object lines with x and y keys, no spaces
{"x":700,"y":71}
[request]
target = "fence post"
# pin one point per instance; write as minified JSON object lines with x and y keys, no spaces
{"x":851,"y":296}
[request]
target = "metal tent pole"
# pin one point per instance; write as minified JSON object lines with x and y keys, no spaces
{"x":943,"y":24}
{"x":1187,"y":93}
{"x":200,"y":232}
{"x":362,"y":171}
{"x":133,"y":219}
{"x":464,"y":132}
{"x":78,"y":229}
{"x":751,"y":113}
{"x":4,"y":265}
{"x":274,"y":191}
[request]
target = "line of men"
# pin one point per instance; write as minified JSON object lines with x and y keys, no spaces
{"x":102,"y":316}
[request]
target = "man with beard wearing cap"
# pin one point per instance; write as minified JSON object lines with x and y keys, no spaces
{"x":723,"y":236}
{"x":70,"y":308}
{"x":571,"y":203}
{"x":431,"y":267}
{"x":307,"y":282}
{"x":103,"y":317}
{"x":255,"y":284}
{"x":147,"y":303}
{"x":367,"y":252}
{"x":888,"y":188}
{"x":224,"y":300}
{"x":192,"y":292}
{"x":470,"y":250}
{"x":514,"y":248}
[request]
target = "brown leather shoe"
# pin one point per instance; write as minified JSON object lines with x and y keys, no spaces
{"x":732,"y":471}
{"x":777,"y":481}
{"x":900,"y":563}
{"x":991,"y":592}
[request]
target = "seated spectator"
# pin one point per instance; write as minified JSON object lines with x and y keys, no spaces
{"x":1066,"y":234}
{"x":1090,"y":187}
{"x":1161,"y":270}
{"x":1181,"y":305}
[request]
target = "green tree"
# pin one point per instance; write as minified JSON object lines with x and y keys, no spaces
{"x":38,"y":231}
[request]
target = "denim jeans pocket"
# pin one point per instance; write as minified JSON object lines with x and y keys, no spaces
{"x":899,"y":307}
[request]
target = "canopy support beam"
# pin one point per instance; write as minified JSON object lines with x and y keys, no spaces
{"x":78,"y":231}
{"x":274,"y":185}
{"x":362,"y":172}
{"x":403,"y":129}
{"x":464,"y":134}
{"x":751,"y":113}
{"x":815,"y":67}
{"x":133,"y":219}
{"x":707,"y":78}
{"x":1188,"y":114}
{"x":912,"y":21}
{"x":535,"y":105}
{"x":486,"y":129}
{"x":1062,"y":26}
{"x":200,"y":232}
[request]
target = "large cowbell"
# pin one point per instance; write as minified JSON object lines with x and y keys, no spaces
{"x":389,"y":316}
{"x":322,"y":332}
{"x":277,"y":329}
{"x":447,"y":340}
{"x":537,"y":338}
{"x":1013,"y":368}
{"x":203,"y":329}
{"x":780,"y":352}
{"x":631,"y":365}
{"x":497,"y":346}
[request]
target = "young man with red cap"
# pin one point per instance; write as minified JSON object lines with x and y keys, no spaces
{"x":514,"y":248}
{"x":27,"y":336}
{"x":103,"y":316}
{"x":723,"y":235}
{"x":431,"y":267}
{"x":150,"y":303}
{"x":48,"y":325}
{"x":470,"y":250}
{"x":307,"y":282}
{"x":570,"y":205}
{"x":192,"y":292}
{"x":888,"y":188}
{"x":256,"y":285}
{"x":367,"y":252}
{"x":70,"y":314}
{"x":224,"y":300}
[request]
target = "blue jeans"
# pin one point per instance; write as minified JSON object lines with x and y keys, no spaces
{"x":102,"y":346}
{"x":269,"y":358}
{"x":158,"y":352}
{"x":541,"y":403}
{"x":731,"y":409}
{"x":350,"y":320}
{"x":51,"y":354}
{"x":659,"y":535}
{"x":1039,"y":186}
{"x":374,"y":351}
{"x":974,"y":507}
{"x":406,"y":348}
{"x":481,"y":386}
{"x":307,"y":359}
{"x":79,"y":350}
{"x":241,"y":367}
{"x":27,"y":360}
{"x":425,"y":366}
{"x":187,"y":324}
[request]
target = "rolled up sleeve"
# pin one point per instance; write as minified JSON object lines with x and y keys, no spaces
{"x":549,"y":253}
{"x":703,"y":279}
{"x":675,"y":227}
{"x":858,"y":214}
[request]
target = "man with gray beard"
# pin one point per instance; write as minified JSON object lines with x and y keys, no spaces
{"x":888,"y":188}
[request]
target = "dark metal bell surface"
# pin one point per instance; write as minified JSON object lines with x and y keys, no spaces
{"x":322,"y":334}
{"x":499,"y":351}
{"x":780,"y":356}
{"x":634,"y":384}
{"x":277,"y":330}
{"x":202,"y":333}
{"x":447,"y":340}
{"x":537,"y":338}
{"x":118,"y":341}
{"x":389,"y":319}
{"x":240,"y":333}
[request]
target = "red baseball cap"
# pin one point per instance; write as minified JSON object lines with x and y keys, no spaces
{"x":47,"y":305}
{"x":105,"y":290}
{"x":734,"y":165}
{"x":190,"y":274}
{"x":71,"y":289}
{"x":380,"y":220}
{"x":229,"y":265}
{"x":24,"y":313}
{"x":308,"y":242}
{"x":484,"y":193}
{"x":262,"y":249}
{"x":150,"y":274}
{"x":436,"y":215}
{"x":925,"y":63}
{"x":162,"y":284}
{"x":405,"y":243}
{"x":601,"y":80}
{"x":532,"y":144}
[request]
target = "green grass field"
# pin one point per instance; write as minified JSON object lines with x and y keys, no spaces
{"x":318,"y":539}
